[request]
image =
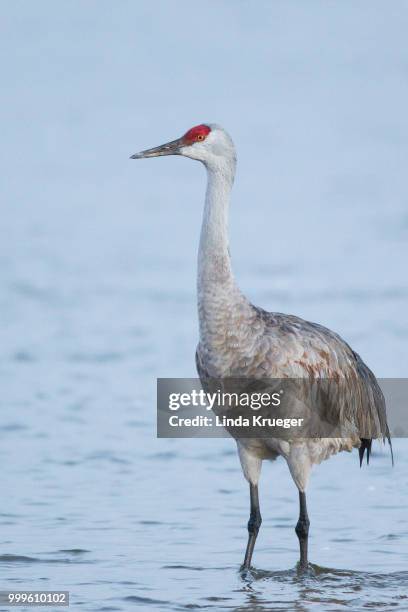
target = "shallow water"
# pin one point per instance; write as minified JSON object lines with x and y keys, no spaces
{"x":97,"y":267}
{"x":121,"y":526}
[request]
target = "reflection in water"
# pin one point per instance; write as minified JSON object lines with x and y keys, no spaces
{"x":320,"y":586}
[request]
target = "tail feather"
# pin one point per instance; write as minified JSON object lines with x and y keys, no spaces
{"x":390,"y":444}
{"x":365,"y":446}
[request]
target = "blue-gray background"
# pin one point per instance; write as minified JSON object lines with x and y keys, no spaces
{"x":97,"y":269}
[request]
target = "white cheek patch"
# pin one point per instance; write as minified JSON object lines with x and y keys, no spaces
{"x":195,"y":151}
{"x":185,"y":150}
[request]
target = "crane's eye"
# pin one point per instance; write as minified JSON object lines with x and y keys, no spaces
{"x":200,"y":136}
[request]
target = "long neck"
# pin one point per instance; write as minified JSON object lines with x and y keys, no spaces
{"x":214,"y":264}
{"x":218,"y":294}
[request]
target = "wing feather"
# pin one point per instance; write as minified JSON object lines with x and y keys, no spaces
{"x":290,"y":347}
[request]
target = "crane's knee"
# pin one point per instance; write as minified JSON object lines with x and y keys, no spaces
{"x":302,"y":528}
{"x":254,"y":523}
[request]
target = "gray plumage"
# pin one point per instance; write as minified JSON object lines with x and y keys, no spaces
{"x":239,"y":340}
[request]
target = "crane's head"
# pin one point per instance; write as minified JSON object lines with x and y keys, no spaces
{"x":208,"y":143}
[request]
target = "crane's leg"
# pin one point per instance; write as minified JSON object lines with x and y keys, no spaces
{"x":254,"y":524}
{"x":302,"y":530}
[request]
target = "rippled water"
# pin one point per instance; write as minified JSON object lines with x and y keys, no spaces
{"x":97,"y":268}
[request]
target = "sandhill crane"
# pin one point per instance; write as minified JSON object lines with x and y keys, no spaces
{"x":239,"y":339}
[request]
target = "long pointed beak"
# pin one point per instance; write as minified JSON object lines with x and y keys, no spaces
{"x":170,"y":148}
